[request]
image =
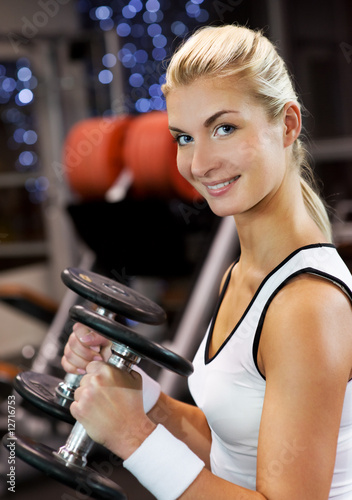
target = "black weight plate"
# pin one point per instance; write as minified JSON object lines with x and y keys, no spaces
{"x":113,"y":296}
{"x":140,"y":345}
{"x":83,"y":479}
{"x":39,"y":389}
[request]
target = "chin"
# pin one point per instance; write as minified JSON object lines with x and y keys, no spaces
{"x":221,"y":210}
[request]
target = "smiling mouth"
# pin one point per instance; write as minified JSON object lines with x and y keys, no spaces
{"x":223,"y":184}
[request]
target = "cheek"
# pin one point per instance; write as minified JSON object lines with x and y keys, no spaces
{"x":247,"y":151}
{"x":183,"y":164}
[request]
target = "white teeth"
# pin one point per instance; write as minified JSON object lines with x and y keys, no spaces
{"x":223,"y":184}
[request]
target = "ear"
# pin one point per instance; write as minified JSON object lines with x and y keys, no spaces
{"x":292,"y":123}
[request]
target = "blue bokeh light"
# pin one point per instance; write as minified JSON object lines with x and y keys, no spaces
{"x":159,"y":54}
{"x":37,"y":186}
{"x":136,"y":80}
{"x":192,"y":9}
{"x":27,"y":158}
{"x":129,"y":12}
{"x":42,"y":183}
{"x":105,"y":76}
{"x":155,"y":90}
{"x":24,"y":74}
{"x":150,"y":17}
{"x":152,"y":5}
{"x":142,"y":56}
{"x":157,"y":103}
{"x":123,"y":29}
{"x":137,"y":5}
{"x":30,"y":137}
{"x":154,"y":30}
{"x":143,"y":105}
{"x":109,"y":60}
{"x":159,"y":41}
{"x":8,"y":84}
{"x":18,"y":135}
{"x":103,"y":12}
{"x":24,"y":97}
{"x":178,"y":28}
{"x":203,"y":16}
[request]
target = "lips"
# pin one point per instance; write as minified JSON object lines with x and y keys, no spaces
{"x":221,"y":185}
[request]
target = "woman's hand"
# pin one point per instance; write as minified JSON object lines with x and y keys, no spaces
{"x":109,"y":405}
{"x":83,"y":346}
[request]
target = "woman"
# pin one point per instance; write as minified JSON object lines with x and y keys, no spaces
{"x":272,"y":379}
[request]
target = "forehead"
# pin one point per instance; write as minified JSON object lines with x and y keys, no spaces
{"x":206,"y":96}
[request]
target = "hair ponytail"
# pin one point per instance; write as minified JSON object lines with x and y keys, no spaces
{"x":313,"y":202}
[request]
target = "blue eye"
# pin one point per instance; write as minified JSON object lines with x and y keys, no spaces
{"x":225,"y":130}
{"x":183,"y":140}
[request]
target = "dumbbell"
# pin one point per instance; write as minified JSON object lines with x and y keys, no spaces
{"x":68,"y":464}
{"x":54,"y":396}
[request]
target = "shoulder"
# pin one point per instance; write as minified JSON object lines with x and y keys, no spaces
{"x":310,"y":296}
{"x":309,"y":320}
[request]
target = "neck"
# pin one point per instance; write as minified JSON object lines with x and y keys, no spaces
{"x":275,"y":228}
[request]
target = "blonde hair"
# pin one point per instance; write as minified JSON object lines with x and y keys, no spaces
{"x":235,"y":50}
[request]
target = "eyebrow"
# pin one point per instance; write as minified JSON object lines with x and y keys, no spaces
{"x":217,"y":115}
{"x":209,"y":120}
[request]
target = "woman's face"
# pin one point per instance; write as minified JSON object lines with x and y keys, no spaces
{"x":227,"y":148}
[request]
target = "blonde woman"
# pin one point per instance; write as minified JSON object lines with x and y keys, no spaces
{"x":272,"y":379}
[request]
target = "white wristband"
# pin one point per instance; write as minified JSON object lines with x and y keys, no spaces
{"x":151,"y":389}
{"x":164,"y":465}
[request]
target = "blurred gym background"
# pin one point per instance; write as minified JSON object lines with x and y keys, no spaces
{"x":65,"y":62}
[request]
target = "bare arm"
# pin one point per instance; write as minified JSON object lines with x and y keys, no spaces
{"x":306,"y":354}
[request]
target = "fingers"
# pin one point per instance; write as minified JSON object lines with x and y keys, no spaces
{"x":102,"y":374}
{"x":84,"y":346}
{"x":93,"y":339}
{"x":88,"y":337}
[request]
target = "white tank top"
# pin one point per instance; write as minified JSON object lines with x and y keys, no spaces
{"x":230,"y":389}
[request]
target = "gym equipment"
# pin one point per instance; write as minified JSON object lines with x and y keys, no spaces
{"x":69,"y":463}
{"x":92,"y":144}
{"x":79,"y":478}
{"x":113,"y":296}
{"x":130,"y":347}
{"x":55,"y":396}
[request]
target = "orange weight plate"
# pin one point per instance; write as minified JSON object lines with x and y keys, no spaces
{"x":146,"y":153}
{"x":92,"y":155}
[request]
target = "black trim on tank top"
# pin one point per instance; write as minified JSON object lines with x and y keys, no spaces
{"x":207,"y":359}
{"x":308,"y":270}
{"x":215,"y":315}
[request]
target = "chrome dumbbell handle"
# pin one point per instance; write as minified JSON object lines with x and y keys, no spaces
{"x":66,"y":388}
{"x":79,"y":444}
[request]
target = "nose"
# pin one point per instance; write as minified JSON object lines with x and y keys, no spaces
{"x":203,"y":161}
